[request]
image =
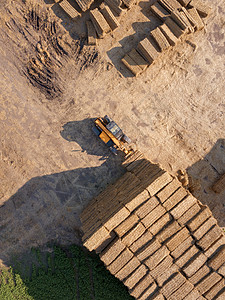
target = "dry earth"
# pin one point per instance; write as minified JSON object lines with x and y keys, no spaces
{"x":52,"y":86}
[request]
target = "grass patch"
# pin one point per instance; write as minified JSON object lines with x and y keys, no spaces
{"x":65,"y":274}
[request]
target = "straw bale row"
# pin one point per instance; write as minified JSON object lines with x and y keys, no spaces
{"x":168,"y":231}
{"x":160,"y":224}
{"x":217,"y":259}
{"x":136,"y":276}
{"x":156,"y":257}
{"x":167,"y":274}
{"x":148,"y":250}
{"x":199,"y":275}
{"x":215,"y":290}
{"x":182,"y":207}
{"x":187,"y":256}
{"x":133,"y":235}
{"x":206,"y":226}
{"x":132,"y":265}
{"x":147,"y":207}
{"x":210,"y":237}
{"x":175,"y":199}
{"x":120,"y":261}
{"x":179,"y":250}
{"x":189,"y":214}
{"x":153,"y":216}
{"x":195,"y":265}
{"x":199,"y":219}
{"x":215,"y":246}
{"x":173,"y":284}
{"x":177,"y":239}
{"x":208,"y":282}
{"x":142,"y":242}
{"x":165,"y":193}
{"x":112,"y":251}
{"x":164,"y":265}
{"x":142,"y":285}
{"x":183,"y":291}
{"x":126,"y":225}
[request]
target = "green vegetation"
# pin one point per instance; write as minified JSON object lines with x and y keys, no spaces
{"x":65,"y":274}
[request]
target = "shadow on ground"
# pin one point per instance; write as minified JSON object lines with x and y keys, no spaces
{"x":205,"y":173}
{"x":47,"y":208}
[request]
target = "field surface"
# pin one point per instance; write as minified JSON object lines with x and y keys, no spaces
{"x":52,"y":87}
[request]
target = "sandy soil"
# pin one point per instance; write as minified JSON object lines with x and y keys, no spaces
{"x":53,"y":85}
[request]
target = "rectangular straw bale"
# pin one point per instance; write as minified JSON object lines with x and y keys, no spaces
{"x":142,"y":285}
{"x":105,"y":243}
{"x":172,"y":39}
{"x":159,"y":183}
{"x":160,"y":39}
{"x":183,"y":291}
{"x":164,"y":265}
{"x":195,"y":265}
{"x":148,"y":292}
{"x":173,"y":284}
{"x":141,"y":242}
{"x":208,"y":282}
{"x":136,"y":276}
{"x":176,"y":16}
{"x":193,"y":295}
{"x":140,"y":61}
{"x":168,"y":273}
{"x":197,"y":19}
{"x":109,"y":16}
{"x":147,"y":207}
{"x":215,"y":247}
{"x":140,"y":162}
{"x":184,"y":2}
{"x":92,"y":38}
{"x":132,"y":158}
{"x":184,"y":17}
{"x":187,"y":256}
{"x":183,"y":206}
{"x":159,"y":11}
{"x":126,"y":225}
{"x":147,"y":49}
{"x":177,"y":31}
{"x":182,"y":247}
{"x":157,"y":257}
{"x":157,"y":296}
{"x":199,"y":219}
{"x":137,"y":201}
{"x":219,"y":286}
{"x":200,"y":274}
{"x":97,"y":238}
{"x":169,"y":230}
{"x":118,"y":218}
{"x":202,"y":230}
{"x":218,"y":259}
{"x":210,"y":237}
{"x":219,"y":186}
{"x":202,"y":8}
{"x":133,"y":235}
{"x":170,"y":5}
{"x":148,"y":250}
{"x":175,"y":198}
{"x":100,"y":23}
{"x":84,"y":5}
{"x":115,"y":6}
{"x":131,"y":65}
{"x":189,"y":214}
{"x":168,"y":190}
{"x":221,"y":270}
{"x":189,"y":17}
{"x":153,"y":216}
{"x":221,"y":296}
{"x":158,"y":225}
{"x":112,"y":251}
{"x":69,"y":9}
{"x":120,"y":261}
{"x":177,"y":239}
{"x":132,"y":265}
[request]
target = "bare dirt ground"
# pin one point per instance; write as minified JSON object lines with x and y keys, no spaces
{"x":52,"y":84}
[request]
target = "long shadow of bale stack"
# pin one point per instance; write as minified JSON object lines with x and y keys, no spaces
{"x":153,"y":235}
